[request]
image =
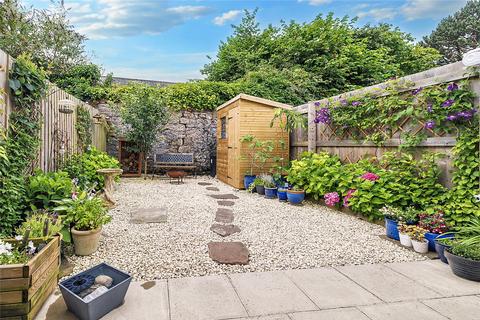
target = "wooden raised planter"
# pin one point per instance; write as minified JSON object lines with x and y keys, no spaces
{"x":25,"y":287}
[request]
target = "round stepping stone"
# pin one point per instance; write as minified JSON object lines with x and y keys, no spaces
{"x":224,"y":215}
{"x":213,"y":189}
{"x":226,"y":203}
{"x":205,"y":183}
{"x":228,"y":252}
{"x":223,"y":196}
{"x":224,"y":230}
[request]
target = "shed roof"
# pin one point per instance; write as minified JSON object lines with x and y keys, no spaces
{"x":267,"y":102}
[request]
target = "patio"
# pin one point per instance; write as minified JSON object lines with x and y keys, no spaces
{"x":423,"y":290}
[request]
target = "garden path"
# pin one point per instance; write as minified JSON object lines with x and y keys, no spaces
{"x":278,"y":236}
{"x":424,"y":290}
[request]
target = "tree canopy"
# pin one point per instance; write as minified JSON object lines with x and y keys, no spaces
{"x":457,"y":33}
{"x":316,"y":59}
{"x":45,"y":35}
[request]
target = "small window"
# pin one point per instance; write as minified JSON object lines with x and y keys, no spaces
{"x":223,"y":131}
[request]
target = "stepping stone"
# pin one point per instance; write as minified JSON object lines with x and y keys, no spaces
{"x":205,"y":183}
{"x":225,"y":203}
{"x":213,"y":189}
{"x":224,"y":229}
{"x":223,"y":196}
{"x":224,"y":215}
{"x":149,"y":215}
{"x":228,"y":252}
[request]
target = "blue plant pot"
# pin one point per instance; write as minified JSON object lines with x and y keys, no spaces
{"x":392,"y":229}
{"x":248,"y":180}
{"x":431,"y":239}
{"x":295,"y":197}
{"x":282,"y":194}
{"x":271,"y":193}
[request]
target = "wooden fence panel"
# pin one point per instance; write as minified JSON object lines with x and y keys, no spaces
{"x":324,"y":137}
{"x":58,"y":134}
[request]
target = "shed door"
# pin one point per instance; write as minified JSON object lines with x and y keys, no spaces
{"x":233,"y":150}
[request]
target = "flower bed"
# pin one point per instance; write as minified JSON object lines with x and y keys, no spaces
{"x":25,"y":287}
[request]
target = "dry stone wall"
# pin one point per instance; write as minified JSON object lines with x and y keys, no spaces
{"x":186,"y":132}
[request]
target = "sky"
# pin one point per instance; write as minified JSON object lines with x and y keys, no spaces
{"x":170,"y":40}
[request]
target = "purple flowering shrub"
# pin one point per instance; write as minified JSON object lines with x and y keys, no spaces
{"x":332,"y":199}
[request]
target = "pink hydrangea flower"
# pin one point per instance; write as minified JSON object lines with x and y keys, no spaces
{"x":370,"y":176}
{"x":331,"y":199}
{"x":348,"y":196}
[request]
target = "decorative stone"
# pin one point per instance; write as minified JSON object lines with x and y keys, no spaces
{"x":223,"y":196}
{"x":224,"y":215}
{"x":149,"y":215}
{"x":225,"y":203}
{"x":205,"y":183}
{"x":224,"y":230}
{"x":104,"y":280}
{"x":213,"y":189}
{"x":228,"y":252}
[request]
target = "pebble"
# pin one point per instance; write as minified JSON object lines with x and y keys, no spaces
{"x":278,"y":236}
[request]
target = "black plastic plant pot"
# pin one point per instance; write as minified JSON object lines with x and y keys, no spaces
{"x":103,"y":304}
{"x":462,"y":267}
{"x":440,"y":248}
{"x":260,"y":190}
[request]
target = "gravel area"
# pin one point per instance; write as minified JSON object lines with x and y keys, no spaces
{"x":278,"y":235}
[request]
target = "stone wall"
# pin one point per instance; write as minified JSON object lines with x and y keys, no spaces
{"x":186,"y":132}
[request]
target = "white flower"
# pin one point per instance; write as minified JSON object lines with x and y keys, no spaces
{"x":5,"y":248}
{"x":31,"y":247}
{"x":18,"y":237}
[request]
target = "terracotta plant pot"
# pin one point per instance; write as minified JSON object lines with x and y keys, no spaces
{"x":86,"y":242}
{"x":420,"y":246}
{"x":175,"y":174}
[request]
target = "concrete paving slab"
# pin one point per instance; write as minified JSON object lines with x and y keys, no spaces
{"x":138,"y":304}
{"x":270,"y":317}
{"x":144,"y":300}
{"x":265,"y":293}
{"x":413,"y":310}
{"x":387,"y":284}
{"x":211,"y":297}
{"x":436,"y":275}
{"x":328,"y":288}
{"x":332,"y":314}
{"x":457,"y":308}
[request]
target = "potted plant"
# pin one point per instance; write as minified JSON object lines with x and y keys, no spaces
{"x":419,"y":243}
{"x":270,"y":189}
{"x":403,"y":230}
{"x":282,"y":193}
{"x":436,"y":227}
{"x":85,"y":214}
{"x":391,"y":215}
{"x":442,"y":244}
{"x":295,"y":195}
{"x":259,"y":185}
{"x":464,"y":254}
{"x":258,"y":153}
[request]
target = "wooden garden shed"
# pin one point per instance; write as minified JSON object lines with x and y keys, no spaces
{"x":242,"y":115}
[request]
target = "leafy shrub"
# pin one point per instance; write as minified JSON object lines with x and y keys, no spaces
{"x":41,"y":224}
{"x":43,"y":189}
{"x":397,"y":180}
{"x":84,"y":212}
{"x":84,"y":167}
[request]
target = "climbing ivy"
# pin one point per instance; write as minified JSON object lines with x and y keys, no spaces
{"x":28,"y":85}
{"x":84,"y":127}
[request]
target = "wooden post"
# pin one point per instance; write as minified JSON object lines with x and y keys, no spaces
{"x":312,"y":128}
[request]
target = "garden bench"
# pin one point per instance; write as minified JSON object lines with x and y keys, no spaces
{"x":179,"y":161}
